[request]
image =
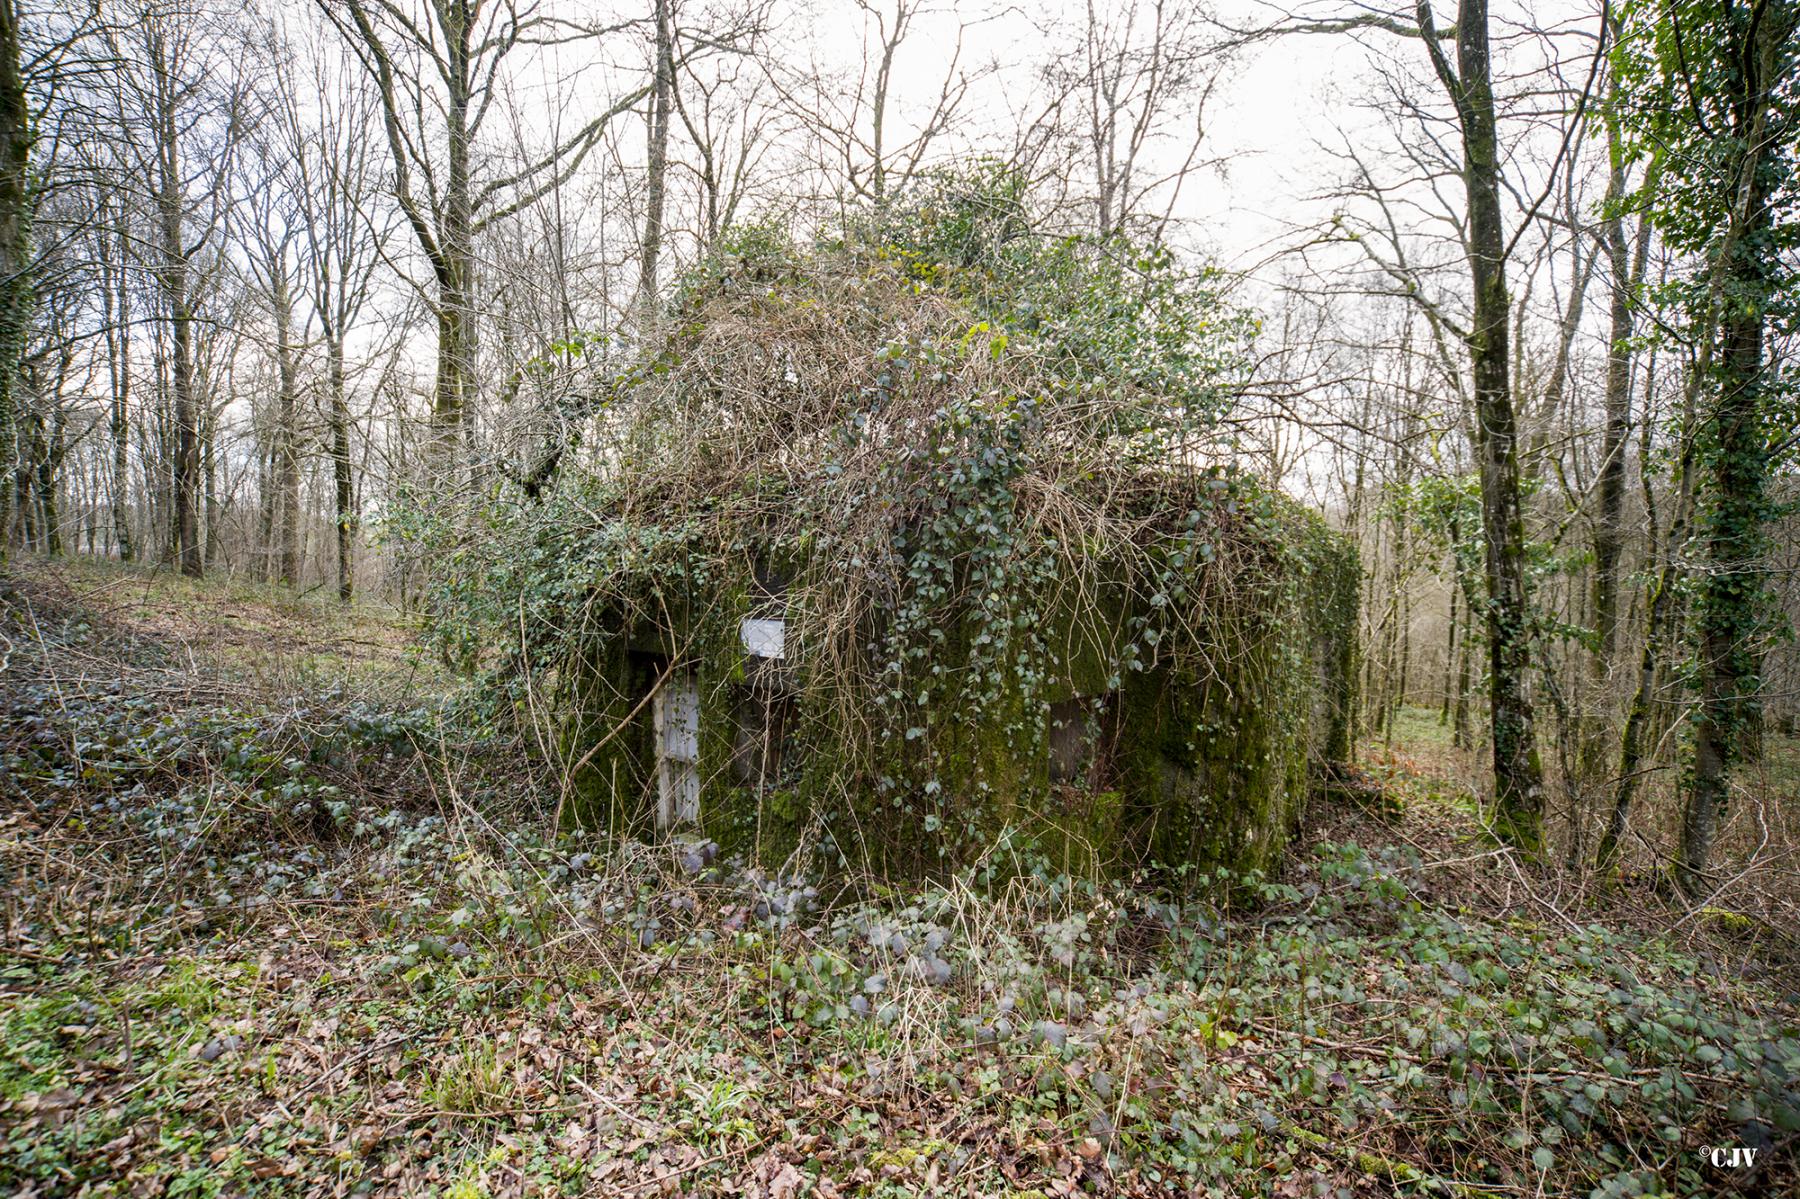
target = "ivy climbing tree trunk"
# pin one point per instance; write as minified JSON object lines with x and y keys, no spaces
{"x":1711,"y":91}
{"x":1518,"y":773}
{"x":1736,"y":439}
{"x":15,"y":245}
{"x":1609,"y":488}
{"x":1494,"y":430}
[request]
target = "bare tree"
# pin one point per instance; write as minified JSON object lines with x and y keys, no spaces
{"x":1485,"y":338}
{"x":1136,"y":94}
{"x":333,"y":179}
{"x":657,"y":165}
{"x":720,"y":102}
{"x":860,"y":131}
{"x":176,"y":108}
{"x":273,"y":229}
{"x":437,"y":69}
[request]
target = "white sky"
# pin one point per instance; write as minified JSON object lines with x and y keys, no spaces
{"x":1277,"y":107}
{"x":1272,"y":108}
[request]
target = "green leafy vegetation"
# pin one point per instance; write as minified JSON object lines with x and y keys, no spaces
{"x":450,"y":1000}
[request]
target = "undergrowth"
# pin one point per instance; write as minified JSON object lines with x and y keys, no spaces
{"x":263,"y":945}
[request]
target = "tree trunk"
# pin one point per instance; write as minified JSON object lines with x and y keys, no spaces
{"x":1730,"y":594}
{"x":345,"y":511}
{"x":30,"y":432}
{"x":186,"y":475}
{"x":119,"y":366}
{"x":456,"y":335}
{"x":287,"y":435}
{"x":1610,"y":487}
{"x":455,"y":268}
{"x":1518,"y":772}
{"x":656,"y":182}
{"x":267,"y":518}
{"x":15,"y":242}
{"x":1662,"y":613}
{"x":212,"y":528}
{"x":174,"y":282}
{"x":1449,"y":660}
{"x":1626,"y":265}
{"x":49,"y":472}
{"x":1462,"y":723}
{"x":1403,"y":563}
{"x":1639,"y":732}
{"x":1729,"y":603}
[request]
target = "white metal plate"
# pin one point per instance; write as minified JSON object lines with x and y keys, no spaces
{"x":764,"y":637}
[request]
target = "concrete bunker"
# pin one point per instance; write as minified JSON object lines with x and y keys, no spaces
{"x":1109,"y":732}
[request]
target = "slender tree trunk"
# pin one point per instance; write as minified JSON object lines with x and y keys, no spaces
{"x":186,"y":475}
{"x":1518,"y":772}
{"x":49,"y":473}
{"x":1449,"y":659}
{"x":268,"y":519}
{"x":1403,"y":600}
{"x":25,"y":514}
{"x":1389,"y":696}
{"x":119,"y":367}
{"x":287,"y":435}
{"x":656,"y":183}
{"x":1626,"y":265}
{"x":1639,"y":733}
{"x":884,"y":74}
{"x":1463,"y":722}
{"x":174,"y":281}
{"x":1354,"y":526}
{"x":345,"y":509}
{"x":1662,"y":614}
{"x":213,"y":527}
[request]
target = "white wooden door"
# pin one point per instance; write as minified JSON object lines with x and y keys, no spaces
{"x":677,"y":712}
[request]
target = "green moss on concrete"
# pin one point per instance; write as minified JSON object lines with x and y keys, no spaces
{"x":1213,"y":700}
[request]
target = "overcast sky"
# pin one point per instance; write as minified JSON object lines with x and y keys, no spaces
{"x":1273,"y":107}
{"x":1279,"y":110}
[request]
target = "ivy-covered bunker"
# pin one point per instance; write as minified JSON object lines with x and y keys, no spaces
{"x":923,"y":545}
{"x":1159,"y":705}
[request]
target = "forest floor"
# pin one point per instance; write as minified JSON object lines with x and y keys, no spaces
{"x":283,"y":917}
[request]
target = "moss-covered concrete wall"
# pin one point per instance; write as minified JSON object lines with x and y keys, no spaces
{"x":1201,"y":703}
